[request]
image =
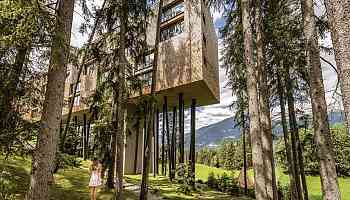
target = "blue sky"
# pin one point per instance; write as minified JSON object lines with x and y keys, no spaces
{"x":207,"y":115}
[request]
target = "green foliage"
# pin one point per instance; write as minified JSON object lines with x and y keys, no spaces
{"x":65,"y":161}
{"x":229,"y":155}
{"x":283,"y":191}
{"x":212,"y":181}
{"x":224,"y":183}
{"x":341,"y":143}
{"x":6,"y":186}
{"x":22,"y":22}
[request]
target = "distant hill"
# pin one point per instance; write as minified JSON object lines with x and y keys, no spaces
{"x":212,"y":135}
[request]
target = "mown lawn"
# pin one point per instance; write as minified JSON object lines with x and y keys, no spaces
{"x":69,"y":183}
{"x":72,"y":183}
{"x":313,"y":182}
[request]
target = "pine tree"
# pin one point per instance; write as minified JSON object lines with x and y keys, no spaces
{"x":338,"y":19}
{"x":44,"y":155}
{"x":330,"y":187}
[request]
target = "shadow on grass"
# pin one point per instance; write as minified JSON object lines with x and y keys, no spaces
{"x":170,"y":190}
{"x":15,"y":177}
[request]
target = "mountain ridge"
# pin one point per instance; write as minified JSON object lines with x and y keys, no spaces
{"x":211,"y":135}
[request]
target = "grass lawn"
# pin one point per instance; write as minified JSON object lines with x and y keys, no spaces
{"x":169,"y":190}
{"x":313,"y":182}
{"x":69,"y":183}
{"x":72,"y":183}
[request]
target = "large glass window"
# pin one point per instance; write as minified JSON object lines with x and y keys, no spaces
{"x":172,"y":11}
{"x":172,"y":30}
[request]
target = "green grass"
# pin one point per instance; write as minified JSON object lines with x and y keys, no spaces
{"x":314,"y":185}
{"x":169,"y":190}
{"x":72,"y":183}
{"x":69,"y":183}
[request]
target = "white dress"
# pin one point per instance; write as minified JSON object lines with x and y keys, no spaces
{"x":95,"y":179}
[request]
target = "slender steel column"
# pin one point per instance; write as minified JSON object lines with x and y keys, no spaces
{"x":84,"y":136}
{"x":163,"y":141}
{"x":192,"y":157}
{"x":157,"y":142}
{"x":169,"y":158}
{"x":173,"y":143}
{"x":138,"y":132}
{"x":88,"y":139}
{"x":181,"y":127}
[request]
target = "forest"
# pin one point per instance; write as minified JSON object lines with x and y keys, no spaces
{"x":273,"y":56}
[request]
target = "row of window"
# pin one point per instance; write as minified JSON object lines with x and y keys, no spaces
{"x":172,"y":30}
{"x":172,"y":11}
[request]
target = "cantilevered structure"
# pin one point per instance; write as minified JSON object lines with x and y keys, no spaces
{"x":187,"y":76}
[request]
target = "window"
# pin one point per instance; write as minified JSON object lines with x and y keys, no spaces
{"x":149,"y":60}
{"x":146,"y":79}
{"x":77,"y":100}
{"x":148,"y":63}
{"x":172,"y":30}
{"x":172,"y":11}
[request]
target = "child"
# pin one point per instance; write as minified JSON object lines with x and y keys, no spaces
{"x":95,"y":177}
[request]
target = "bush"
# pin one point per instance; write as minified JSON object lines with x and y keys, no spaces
{"x":283,"y":191}
{"x":64,"y":161}
{"x":234,"y":186}
{"x":212,"y":181}
{"x":224,"y":182}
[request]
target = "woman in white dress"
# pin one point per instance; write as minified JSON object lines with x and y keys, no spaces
{"x":95,"y":177}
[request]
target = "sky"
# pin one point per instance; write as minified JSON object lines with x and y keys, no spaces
{"x":207,"y":115}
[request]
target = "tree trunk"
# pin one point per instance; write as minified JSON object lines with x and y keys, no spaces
{"x":323,"y":140}
{"x":44,"y":155}
{"x":253,"y":99}
{"x":297,"y":156}
{"x":291,"y":170}
{"x":339,"y":18}
{"x":243,"y":130}
{"x":265,"y":119}
{"x":111,"y":169}
{"x":152,"y":110}
{"x":122,"y":99}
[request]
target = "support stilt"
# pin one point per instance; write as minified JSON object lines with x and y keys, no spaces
{"x":167,"y":135}
{"x":173,"y":144}
{"x":84,"y":137}
{"x":163,"y":143}
{"x":181,"y":127}
{"x":157,"y":142}
{"x":192,"y":157}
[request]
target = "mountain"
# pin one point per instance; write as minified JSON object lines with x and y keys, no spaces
{"x":212,"y":135}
